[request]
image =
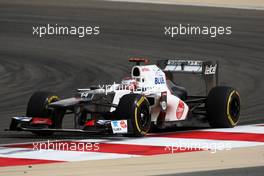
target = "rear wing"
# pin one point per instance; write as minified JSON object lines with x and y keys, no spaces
{"x":207,"y":69}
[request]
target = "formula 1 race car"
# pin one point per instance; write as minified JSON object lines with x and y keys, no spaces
{"x":146,"y":100}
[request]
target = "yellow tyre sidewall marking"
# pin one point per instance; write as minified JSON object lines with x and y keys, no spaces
{"x":50,"y":100}
{"x":141,"y":100}
{"x":227,"y":110}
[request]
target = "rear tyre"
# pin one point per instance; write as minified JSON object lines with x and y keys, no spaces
{"x":136,"y":108}
{"x":223,"y":107}
{"x":38,"y":107}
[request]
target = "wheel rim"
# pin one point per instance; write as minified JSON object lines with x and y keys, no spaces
{"x":50,"y":100}
{"x":144,"y":117}
{"x":234,"y":108}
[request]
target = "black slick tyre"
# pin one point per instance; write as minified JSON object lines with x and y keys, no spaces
{"x":38,"y":107}
{"x":136,"y":108}
{"x":223,"y":107}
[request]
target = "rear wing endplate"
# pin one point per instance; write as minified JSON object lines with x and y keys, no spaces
{"x":207,"y":69}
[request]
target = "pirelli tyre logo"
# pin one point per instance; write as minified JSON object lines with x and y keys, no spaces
{"x":210,"y":69}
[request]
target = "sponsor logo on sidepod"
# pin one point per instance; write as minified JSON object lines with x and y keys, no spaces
{"x":180,"y":110}
{"x":159,"y":80}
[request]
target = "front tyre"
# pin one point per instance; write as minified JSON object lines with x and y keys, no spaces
{"x":223,"y":107}
{"x":136,"y":108}
{"x":38,"y":106}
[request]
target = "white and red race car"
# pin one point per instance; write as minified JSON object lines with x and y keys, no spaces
{"x":147,"y":99}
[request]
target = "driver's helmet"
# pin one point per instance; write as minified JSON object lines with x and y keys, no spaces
{"x":128,"y":83}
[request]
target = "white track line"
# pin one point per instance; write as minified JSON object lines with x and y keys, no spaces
{"x":178,"y":142}
{"x":240,"y":129}
{"x":58,"y":155}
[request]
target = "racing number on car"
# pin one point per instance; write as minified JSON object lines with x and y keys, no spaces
{"x":87,"y":95}
{"x":84,"y":95}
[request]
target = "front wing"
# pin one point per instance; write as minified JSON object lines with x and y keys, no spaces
{"x":35,"y":125}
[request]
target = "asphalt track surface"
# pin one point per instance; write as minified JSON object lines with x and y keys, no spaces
{"x":63,"y":63}
{"x":252,"y":171}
